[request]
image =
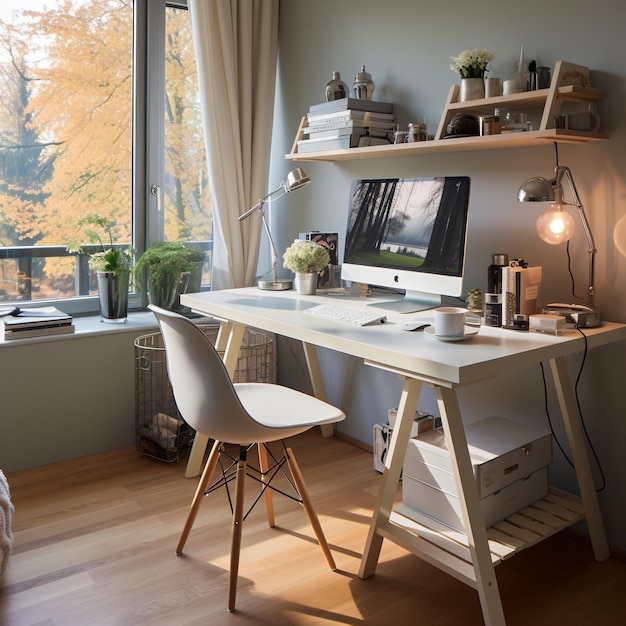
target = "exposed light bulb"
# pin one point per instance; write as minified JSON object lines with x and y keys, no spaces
{"x":555,"y":225}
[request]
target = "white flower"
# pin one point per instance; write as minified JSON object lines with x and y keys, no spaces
{"x":303,"y":257}
{"x":471,"y":63}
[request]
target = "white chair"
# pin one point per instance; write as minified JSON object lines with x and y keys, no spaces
{"x":243,"y":414}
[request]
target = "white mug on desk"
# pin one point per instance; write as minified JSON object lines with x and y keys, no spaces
{"x":450,"y":321}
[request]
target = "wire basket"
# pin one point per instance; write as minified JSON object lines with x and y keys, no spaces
{"x":160,"y":430}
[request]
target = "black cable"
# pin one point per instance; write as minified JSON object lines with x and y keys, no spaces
{"x":582,"y":419}
{"x":547,"y":409}
{"x":569,"y":258}
{"x":580,"y":413}
{"x":569,"y":270}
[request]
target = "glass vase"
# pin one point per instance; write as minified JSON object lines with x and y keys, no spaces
{"x":113,"y":296}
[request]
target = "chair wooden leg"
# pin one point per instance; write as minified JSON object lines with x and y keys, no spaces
{"x":308,"y":507}
{"x":269,"y":502}
{"x":207,"y":474}
{"x":238,"y":514}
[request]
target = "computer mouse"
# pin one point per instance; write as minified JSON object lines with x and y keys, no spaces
{"x":410,"y":326}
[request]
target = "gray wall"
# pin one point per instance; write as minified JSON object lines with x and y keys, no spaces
{"x":68,"y":397}
{"x":406,"y":46}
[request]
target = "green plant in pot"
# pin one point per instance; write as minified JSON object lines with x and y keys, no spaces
{"x":113,"y":265}
{"x":168,"y":266}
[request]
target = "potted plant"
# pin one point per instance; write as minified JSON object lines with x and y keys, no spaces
{"x":168,"y":266}
{"x":471,"y":66}
{"x":113,"y":265}
{"x":306,"y":259}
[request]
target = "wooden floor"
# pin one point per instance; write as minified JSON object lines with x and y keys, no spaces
{"x":95,"y":541}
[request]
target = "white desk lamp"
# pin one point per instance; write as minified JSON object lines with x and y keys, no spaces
{"x":295,"y":179}
{"x":556,"y":226}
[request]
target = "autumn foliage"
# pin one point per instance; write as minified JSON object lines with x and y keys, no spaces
{"x":66,"y":131}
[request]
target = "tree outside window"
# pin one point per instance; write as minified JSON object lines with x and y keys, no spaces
{"x":66,"y":129}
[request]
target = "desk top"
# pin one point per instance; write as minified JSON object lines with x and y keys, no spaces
{"x":482,"y":356}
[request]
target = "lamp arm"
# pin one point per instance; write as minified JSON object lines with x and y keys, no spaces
{"x":565,"y":172}
{"x":279,"y":192}
{"x":272,"y":246}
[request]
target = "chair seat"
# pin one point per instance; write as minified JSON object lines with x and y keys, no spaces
{"x":285,"y":411}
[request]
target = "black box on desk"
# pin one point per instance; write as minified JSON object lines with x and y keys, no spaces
{"x":509,"y":461}
{"x":330,"y":242}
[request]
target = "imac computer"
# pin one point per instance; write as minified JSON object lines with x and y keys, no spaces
{"x":408,"y":234}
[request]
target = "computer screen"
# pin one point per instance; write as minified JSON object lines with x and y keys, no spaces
{"x":408,"y":234}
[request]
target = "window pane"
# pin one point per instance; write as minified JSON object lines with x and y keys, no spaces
{"x":65,"y":135}
{"x":187,"y":200}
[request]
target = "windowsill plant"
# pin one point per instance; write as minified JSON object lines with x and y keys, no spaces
{"x":168,"y":266}
{"x":99,"y":230}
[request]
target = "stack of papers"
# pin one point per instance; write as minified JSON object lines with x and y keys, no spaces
{"x":17,"y":323}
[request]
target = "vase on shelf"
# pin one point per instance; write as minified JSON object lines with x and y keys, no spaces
{"x":306,"y":284}
{"x":472,"y":89}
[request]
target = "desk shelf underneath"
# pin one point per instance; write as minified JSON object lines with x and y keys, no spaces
{"x":448,"y":549}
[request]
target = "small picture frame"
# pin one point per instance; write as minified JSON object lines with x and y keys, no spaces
{"x":330,"y":242}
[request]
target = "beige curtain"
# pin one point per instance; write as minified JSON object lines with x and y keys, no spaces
{"x":236,"y":45}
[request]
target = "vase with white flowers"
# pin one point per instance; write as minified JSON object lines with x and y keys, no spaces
{"x":112,"y":263}
{"x":306,"y":259}
{"x":471,"y":66}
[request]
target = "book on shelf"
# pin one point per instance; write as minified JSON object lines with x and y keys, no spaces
{"x":339,"y":143}
{"x":36,"y":331}
{"x":354,"y":104}
{"x":362,"y":131}
{"x":347,"y":126}
{"x":344,"y":116}
{"x":19,"y":323}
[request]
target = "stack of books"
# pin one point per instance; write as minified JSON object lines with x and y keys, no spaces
{"x":19,"y":323}
{"x":347,"y":123}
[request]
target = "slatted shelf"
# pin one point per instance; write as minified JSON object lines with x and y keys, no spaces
{"x":547,"y":516}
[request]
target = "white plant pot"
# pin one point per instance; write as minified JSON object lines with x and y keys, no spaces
{"x":472,"y":89}
{"x":306,"y":284}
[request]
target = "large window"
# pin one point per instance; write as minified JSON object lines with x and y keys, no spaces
{"x":98,"y":113}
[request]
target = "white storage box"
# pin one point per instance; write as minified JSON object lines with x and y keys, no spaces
{"x":509,"y":462}
{"x":446,"y":508}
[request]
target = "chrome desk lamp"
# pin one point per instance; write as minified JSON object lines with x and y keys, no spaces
{"x":556,"y":226}
{"x":295,"y":179}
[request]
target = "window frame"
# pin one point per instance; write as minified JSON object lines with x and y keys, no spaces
{"x":148,"y":144}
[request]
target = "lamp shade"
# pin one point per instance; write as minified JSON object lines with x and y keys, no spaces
{"x":296,"y":179}
{"x":537,"y":189}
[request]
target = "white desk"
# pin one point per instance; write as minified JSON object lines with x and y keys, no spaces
{"x":419,"y":359}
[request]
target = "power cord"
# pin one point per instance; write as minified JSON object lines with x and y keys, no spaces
{"x":582,"y":419}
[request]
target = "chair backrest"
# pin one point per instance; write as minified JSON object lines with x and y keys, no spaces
{"x":203,"y":390}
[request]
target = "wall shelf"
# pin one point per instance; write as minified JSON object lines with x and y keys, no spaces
{"x":568,"y":85}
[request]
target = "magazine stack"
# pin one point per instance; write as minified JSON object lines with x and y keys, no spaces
{"x":19,"y":323}
{"x":347,"y":123}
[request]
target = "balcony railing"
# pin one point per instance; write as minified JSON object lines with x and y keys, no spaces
{"x":24,"y":256}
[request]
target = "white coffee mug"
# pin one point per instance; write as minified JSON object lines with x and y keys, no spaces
{"x":450,"y":321}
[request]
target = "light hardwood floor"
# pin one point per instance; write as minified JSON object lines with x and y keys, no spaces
{"x":95,"y":540}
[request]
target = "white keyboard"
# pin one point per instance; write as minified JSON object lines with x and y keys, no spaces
{"x":357,"y":317}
